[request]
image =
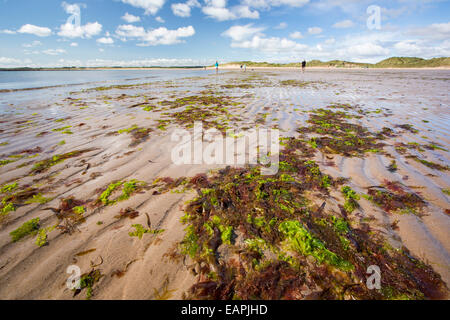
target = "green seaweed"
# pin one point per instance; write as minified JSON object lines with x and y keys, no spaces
{"x":337,"y":135}
{"x":392,"y":166}
{"x":408,"y":127}
{"x":38,"y":198}
{"x":299,"y":239}
{"x":351,"y":198}
{"x":9,"y":187}
{"x":393,"y":197}
{"x":87,"y":281}
{"x":79,"y":210}
{"x":297,"y":83}
{"x":127,"y":187}
{"x":46,"y":164}
{"x":430,"y":164}
{"x":190,"y":245}
{"x":104,"y":197}
{"x":128,"y":130}
{"x":140,"y":231}
{"x":42,"y":238}
{"x":7,"y":208}
{"x":64,"y":130}
{"x":28,"y":228}
{"x":5,"y":162}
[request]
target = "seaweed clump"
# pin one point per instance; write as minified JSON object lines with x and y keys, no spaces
{"x":297,"y":83}
{"x":46,"y":164}
{"x":70,"y":214}
{"x":339,"y":136}
{"x":237,"y":86}
{"x":24,"y":154}
{"x":202,"y":100}
{"x":211,"y":110}
{"x":140,"y":230}
{"x":87,"y":281}
{"x":15,"y":196}
{"x":260,"y":237}
{"x":430,"y":164}
{"x":351,"y":199}
{"x":408,"y":127}
{"x":127,"y":188}
{"x":30,"y":227}
{"x":393,"y":197}
{"x":139,"y":135}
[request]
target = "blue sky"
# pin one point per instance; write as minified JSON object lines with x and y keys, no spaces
{"x":54,"y":33}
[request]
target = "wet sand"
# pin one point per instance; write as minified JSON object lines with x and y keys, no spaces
{"x":134,"y":268}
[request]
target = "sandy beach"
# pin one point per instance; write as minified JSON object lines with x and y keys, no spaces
{"x":94,"y":165}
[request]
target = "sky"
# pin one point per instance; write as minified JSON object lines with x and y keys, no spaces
{"x":92,"y":33}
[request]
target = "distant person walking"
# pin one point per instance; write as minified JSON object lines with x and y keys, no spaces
{"x":303,"y":66}
{"x":217,"y":67}
{"x":245,"y":67}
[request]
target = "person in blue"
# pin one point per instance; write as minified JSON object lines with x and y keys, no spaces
{"x":217,"y":67}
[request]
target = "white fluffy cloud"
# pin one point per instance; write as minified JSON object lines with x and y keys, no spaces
{"x":37,"y":31}
{"x":435,"y":31}
{"x":218,"y":13}
{"x":181,"y":10}
{"x":184,"y":9}
{"x":249,"y":37}
{"x":73,"y":28}
{"x":105,"y":40}
{"x":296,"y":35}
{"x":160,"y":20}
{"x":315,"y":30}
{"x":159,"y":36}
{"x":271,"y":45}
{"x":131,"y":18}
{"x":367,"y":50}
{"x":217,"y":10}
{"x":343,"y":24}
{"x":265,"y":4}
{"x":74,"y":44}
{"x":7,"y":31}
{"x":240,"y":33}
{"x":69,"y":30}
{"x":407,"y":48}
{"x":54,"y":52}
{"x":150,"y":6}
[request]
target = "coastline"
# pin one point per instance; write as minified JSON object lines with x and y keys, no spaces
{"x":227,"y":67}
{"x":235,"y":67}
